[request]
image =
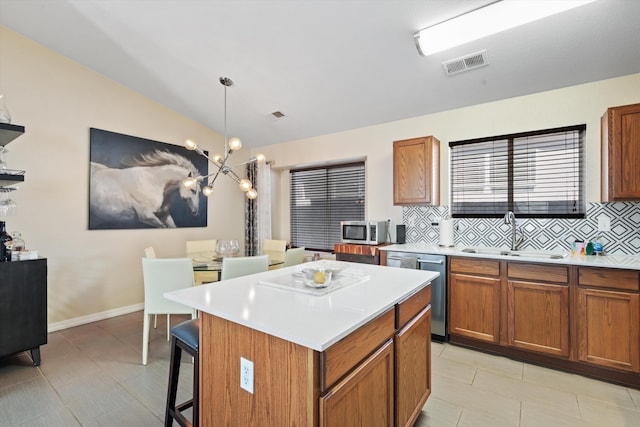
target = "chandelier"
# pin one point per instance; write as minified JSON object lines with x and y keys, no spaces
{"x":221,"y":162}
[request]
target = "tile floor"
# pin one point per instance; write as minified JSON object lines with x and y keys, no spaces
{"x":91,"y":375}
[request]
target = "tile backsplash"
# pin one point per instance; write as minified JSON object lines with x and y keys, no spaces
{"x":551,"y":234}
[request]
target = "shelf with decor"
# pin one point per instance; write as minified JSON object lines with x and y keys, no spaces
{"x":9,"y":132}
{"x":9,"y":177}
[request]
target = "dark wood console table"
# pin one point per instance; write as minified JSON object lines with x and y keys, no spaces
{"x":23,"y":307}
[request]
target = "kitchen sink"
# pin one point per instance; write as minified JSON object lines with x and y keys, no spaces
{"x":540,"y":254}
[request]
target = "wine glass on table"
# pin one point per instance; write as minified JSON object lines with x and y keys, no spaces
{"x":226,"y":248}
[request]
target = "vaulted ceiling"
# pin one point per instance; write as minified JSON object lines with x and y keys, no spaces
{"x":327,"y":65}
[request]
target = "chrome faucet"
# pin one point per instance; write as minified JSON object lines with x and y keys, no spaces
{"x":510,"y":218}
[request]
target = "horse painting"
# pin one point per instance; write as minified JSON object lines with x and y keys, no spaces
{"x":144,"y":191}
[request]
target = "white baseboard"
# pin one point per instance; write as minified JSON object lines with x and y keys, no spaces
{"x":83,"y":320}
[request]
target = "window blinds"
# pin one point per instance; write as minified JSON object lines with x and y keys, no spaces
{"x":535,"y":174}
{"x":320,"y":199}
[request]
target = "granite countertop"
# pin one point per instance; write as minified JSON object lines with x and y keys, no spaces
{"x":314,"y":321}
{"x":630,"y":262}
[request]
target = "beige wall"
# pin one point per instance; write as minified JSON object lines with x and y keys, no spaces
{"x":563,"y":107}
{"x":91,"y":273}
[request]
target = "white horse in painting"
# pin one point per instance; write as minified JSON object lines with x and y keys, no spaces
{"x":143,"y":190}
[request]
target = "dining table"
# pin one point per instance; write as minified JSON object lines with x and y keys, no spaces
{"x":204,"y":267}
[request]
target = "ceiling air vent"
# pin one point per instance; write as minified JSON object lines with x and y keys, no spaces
{"x":466,"y":63}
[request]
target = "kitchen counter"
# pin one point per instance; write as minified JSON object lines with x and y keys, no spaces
{"x":315,"y":322}
{"x":630,"y":262}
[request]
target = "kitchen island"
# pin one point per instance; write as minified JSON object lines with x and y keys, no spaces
{"x":358,"y":355}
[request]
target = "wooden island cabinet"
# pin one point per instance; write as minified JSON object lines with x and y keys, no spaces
{"x":576,"y":318}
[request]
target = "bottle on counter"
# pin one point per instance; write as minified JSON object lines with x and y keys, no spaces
{"x":5,"y":243}
{"x":597,"y":246}
{"x":588,"y":249}
{"x":17,"y":246}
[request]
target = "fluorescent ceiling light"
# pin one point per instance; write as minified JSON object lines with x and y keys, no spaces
{"x":491,"y":19}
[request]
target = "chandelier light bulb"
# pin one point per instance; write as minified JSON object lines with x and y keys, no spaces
{"x":217,"y":158}
{"x":207,"y":190}
{"x":260,"y":157}
{"x":189,"y":182}
{"x":251,"y":194}
{"x":190,"y":145}
{"x":245,"y":185}
{"x":235,"y":144}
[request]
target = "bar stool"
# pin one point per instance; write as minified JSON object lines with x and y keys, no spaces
{"x":185,"y":336}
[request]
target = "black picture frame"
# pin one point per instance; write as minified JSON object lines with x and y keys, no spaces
{"x":135,"y":183}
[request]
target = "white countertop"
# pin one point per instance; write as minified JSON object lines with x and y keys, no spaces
{"x":630,"y":262}
{"x":315,"y":322}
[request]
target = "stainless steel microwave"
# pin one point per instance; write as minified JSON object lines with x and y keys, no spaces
{"x":364,"y":232}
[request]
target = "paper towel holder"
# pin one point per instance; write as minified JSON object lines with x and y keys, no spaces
{"x":447,"y":227}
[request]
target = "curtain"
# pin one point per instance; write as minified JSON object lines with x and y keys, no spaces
{"x":258,"y":211}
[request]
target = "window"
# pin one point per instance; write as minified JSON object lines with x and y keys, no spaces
{"x":320,"y":199}
{"x":534,"y":174}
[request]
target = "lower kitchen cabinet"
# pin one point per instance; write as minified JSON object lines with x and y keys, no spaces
{"x":365,"y":396}
{"x":396,"y":379}
{"x":413,"y":364}
{"x":538,"y":312}
{"x":538,"y":317}
{"x":474,"y":300}
{"x":575,"y":318}
{"x":609,"y":318}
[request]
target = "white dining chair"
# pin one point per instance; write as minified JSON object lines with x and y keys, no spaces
{"x":149,"y":252}
{"x":276,"y":250}
{"x":163,"y":275}
{"x":242,"y":266}
{"x":202,"y":250}
{"x":293,"y":256}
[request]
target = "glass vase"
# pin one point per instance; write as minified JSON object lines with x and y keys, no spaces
{"x":5,"y":117}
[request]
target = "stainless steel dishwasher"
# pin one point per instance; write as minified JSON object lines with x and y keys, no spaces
{"x":429,"y":262}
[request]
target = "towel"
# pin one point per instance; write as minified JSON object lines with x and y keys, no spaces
{"x":409,"y":262}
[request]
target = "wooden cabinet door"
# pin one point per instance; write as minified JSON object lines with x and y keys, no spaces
{"x":23,"y":307}
{"x":365,"y":396}
{"x":413,"y":368}
{"x":621,"y":153}
{"x":474,"y":307}
{"x":538,"y":317}
{"x":416,"y":171}
{"x":609,"y":328}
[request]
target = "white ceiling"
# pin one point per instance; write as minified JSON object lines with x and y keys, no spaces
{"x":328,"y":65}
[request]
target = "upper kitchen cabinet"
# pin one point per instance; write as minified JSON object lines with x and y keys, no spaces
{"x":416,"y":171}
{"x":620,"y":127}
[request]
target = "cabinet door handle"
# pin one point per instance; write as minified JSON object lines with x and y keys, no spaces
{"x":425,"y":261}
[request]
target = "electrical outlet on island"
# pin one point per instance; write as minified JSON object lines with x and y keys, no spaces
{"x":246,"y":374}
